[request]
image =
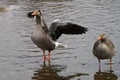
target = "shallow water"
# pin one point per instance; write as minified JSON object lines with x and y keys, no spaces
{"x":20,"y":59}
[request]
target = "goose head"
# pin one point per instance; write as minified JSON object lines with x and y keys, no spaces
{"x":37,"y":13}
{"x":34,"y":13}
{"x":101,"y":37}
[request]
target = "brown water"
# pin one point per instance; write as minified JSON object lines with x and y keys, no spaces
{"x":20,"y":59}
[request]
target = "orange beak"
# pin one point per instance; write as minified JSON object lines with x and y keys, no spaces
{"x":34,"y":13}
{"x":100,"y":37}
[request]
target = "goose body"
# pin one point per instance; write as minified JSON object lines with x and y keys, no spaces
{"x":42,"y":40}
{"x":46,"y":39}
{"x":104,"y":49}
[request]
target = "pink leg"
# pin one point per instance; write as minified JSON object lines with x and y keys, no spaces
{"x":99,"y":64}
{"x":44,"y":55}
{"x":110,"y":63}
{"x":49,"y":56}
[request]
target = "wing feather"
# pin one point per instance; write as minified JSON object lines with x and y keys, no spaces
{"x":56,"y":29}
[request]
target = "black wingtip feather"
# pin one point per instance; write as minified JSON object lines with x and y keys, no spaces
{"x":76,"y":29}
{"x":84,"y":30}
{"x":30,"y":15}
{"x":57,"y":29}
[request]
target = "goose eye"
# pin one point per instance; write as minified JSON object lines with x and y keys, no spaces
{"x":40,"y":11}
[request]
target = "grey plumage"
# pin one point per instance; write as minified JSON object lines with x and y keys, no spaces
{"x":46,"y":38}
{"x":104,"y":49}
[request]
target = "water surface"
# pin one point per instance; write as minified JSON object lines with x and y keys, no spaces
{"x":20,"y":59}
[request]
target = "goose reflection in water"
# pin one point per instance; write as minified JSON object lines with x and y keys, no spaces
{"x":48,"y":72}
{"x":105,"y":76}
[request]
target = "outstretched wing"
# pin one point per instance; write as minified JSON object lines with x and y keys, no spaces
{"x":56,"y":29}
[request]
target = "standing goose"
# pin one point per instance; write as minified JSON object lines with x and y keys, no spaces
{"x":46,"y":38}
{"x":104,"y":49}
